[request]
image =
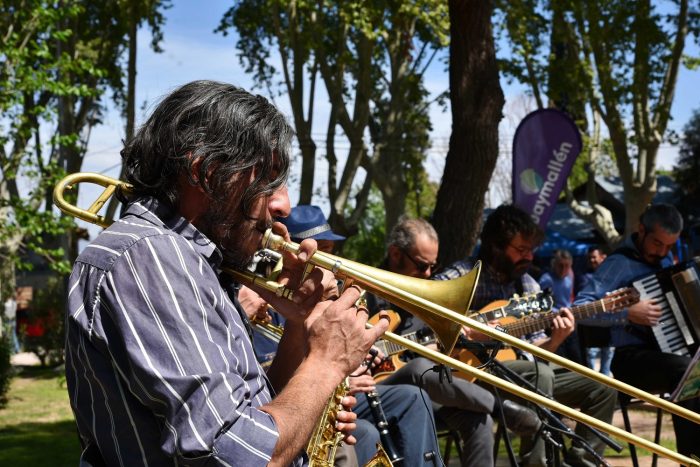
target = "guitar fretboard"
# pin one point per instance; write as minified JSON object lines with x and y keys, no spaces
{"x":390,"y":348}
{"x":544,"y":320}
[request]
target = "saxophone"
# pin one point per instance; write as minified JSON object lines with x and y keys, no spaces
{"x":325,"y":438}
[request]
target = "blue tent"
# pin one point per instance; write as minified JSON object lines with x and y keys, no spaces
{"x":557,"y":241}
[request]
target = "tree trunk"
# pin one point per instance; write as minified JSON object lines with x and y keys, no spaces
{"x":130,"y":99}
{"x":477,"y":102}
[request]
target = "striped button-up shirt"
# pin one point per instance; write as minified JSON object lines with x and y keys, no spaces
{"x":159,"y":364}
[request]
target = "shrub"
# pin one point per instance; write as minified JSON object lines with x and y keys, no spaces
{"x":46,"y":313}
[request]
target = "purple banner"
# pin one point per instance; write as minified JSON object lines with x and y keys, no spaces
{"x":545,"y":147}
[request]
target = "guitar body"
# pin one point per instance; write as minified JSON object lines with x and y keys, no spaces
{"x":392,"y":362}
{"x":465,"y":356}
{"x":387,"y":367}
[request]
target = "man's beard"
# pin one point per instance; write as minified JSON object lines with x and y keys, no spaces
{"x":654,"y":260}
{"x":230,"y":230}
{"x":509,"y":270}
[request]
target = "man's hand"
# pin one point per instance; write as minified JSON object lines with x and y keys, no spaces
{"x":337,"y":335}
{"x":253,"y":305}
{"x":346,"y":420}
{"x":478,"y":336}
{"x":644,"y":312}
{"x":310,"y":284}
{"x":562,"y":326}
{"x":363,"y":383}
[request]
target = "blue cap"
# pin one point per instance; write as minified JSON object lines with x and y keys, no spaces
{"x":306,"y":221}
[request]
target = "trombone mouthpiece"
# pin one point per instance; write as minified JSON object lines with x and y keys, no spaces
{"x":272,"y":241}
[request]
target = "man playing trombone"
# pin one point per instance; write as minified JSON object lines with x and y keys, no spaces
{"x":159,"y":363}
{"x":508,"y":241}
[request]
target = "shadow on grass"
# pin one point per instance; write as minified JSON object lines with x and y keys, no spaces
{"x":40,"y":444}
{"x":38,"y":372}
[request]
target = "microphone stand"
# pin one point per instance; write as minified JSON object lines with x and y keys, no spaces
{"x":553,"y":424}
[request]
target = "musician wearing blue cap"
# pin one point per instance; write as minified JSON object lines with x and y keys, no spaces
{"x":638,"y":360}
{"x":405,"y":407}
{"x":306,"y":221}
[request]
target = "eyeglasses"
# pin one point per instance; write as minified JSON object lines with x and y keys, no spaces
{"x":420,"y":265}
{"x":523,"y":250}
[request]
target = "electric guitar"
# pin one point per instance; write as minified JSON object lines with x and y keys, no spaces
{"x":518,"y":326}
{"x":516,"y":306}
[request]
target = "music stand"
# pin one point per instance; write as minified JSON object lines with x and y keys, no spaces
{"x":551,"y":424}
{"x":689,"y":385}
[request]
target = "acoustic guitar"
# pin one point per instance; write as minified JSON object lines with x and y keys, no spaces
{"x":516,"y":306}
{"x":524,"y":324}
{"x":393,"y":352}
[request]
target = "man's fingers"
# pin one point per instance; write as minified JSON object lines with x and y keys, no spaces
{"x":281,"y":230}
{"x":310,"y":289}
{"x":306,"y":249}
{"x":348,"y":298}
{"x":345,"y":416}
{"x":378,"y":329}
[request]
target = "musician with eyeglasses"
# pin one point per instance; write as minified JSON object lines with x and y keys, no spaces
{"x":637,"y":359}
{"x":509,"y":239}
{"x":458,"y":404}
{"x":159,"y":363}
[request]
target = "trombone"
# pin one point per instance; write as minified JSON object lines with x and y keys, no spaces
{"x":431,"y":301}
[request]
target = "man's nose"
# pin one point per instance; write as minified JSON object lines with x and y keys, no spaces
{"x":278,"y":204}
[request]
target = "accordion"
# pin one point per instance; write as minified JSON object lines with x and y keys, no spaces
{"x":677,"y":290}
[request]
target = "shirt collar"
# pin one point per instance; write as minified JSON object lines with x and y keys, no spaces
{"x":161,"y":214}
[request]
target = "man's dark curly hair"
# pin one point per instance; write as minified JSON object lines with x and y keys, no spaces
{"x":229,"y":129}
{"x":502,"y":225}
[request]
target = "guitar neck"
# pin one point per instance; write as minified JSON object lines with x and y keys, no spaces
{"x":390,"y":348}
{"x":544,"y":320}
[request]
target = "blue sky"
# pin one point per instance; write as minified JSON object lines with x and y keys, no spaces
{"x":192,"y":51}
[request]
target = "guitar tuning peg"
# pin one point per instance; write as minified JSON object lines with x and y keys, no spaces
{"x":516,"y":296}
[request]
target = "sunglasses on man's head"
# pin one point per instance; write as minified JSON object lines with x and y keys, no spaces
{"x":422,"y":266}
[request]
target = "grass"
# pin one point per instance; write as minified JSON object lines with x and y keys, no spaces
{"x":36,"y":425}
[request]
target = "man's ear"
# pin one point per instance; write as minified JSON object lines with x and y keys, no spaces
{"x":394,"y":255}
{"x":193,"y":176}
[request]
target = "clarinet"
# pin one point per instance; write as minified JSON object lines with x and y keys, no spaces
{"x":375,"y":406}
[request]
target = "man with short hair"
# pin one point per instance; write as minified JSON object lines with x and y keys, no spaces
{"x":560,"y":280}
{"x":509,"y":239}
{"x":638,"y":360}
{"x":459,"y":404}
{"x":159,"y":363}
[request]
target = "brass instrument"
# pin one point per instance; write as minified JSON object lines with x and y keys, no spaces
{"x":325,"y":439}
{"x":432,"y":302}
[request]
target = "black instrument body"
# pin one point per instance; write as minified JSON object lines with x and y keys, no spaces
{"x":382,"y":425}
{"x":677,"y":290}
